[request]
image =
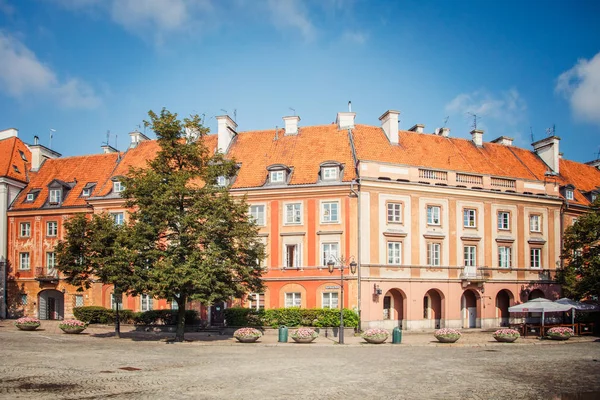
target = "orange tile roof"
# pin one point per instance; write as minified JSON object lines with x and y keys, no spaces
{"x":11,"y":149}
{"x":584,"y":177}
{"x":82,"y":169}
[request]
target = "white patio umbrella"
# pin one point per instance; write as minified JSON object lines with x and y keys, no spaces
{"x":539,"y":305}
{"x":579,"y":306}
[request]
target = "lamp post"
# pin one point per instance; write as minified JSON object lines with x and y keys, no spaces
{"x":342,"y":265}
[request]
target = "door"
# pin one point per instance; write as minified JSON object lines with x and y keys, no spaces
{"x":387,"y":305}
{"x":51,"y":308}
{"x":472,"y":316}
{"x":217,"y":314}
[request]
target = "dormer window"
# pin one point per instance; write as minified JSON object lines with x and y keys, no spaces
{"x":330,"y":173}
{"x":277,"y":176}
{"x":118,"y":187}
{"x":86,"y":192}
{"x":222,"y":181}
{"x":55,"y":196}
{"x":30,"y":196}
{"x":569,"y":194}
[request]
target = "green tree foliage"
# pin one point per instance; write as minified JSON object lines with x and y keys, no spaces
{"x":194,"y":238}
{"x":580,"y":276}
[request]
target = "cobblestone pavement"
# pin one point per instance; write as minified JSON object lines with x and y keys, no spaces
{"x":47,"y":364}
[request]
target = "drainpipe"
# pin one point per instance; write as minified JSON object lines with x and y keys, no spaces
{"x":357,"y":194}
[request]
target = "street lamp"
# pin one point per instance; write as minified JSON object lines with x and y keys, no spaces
{"x":342,"y":265}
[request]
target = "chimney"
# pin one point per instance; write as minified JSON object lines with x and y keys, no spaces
{"x":477,"y":136}
{"x":108,"y":149}
{"x":547,"y":150}
{"x":8,"y":133}
{"x":291,"y":125}
{"x":504,"y":141}
{"x":345,"y":120}
{"x":389,"y":124}
{"x":417,"y":128}
{"x":225,"y":132}
{"x":444,"y":132}
{"x":136,"y":138}
{"x":40,"y":153}
{"x":595,"y":163}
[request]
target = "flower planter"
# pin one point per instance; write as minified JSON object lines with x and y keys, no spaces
{"x":559,"y":333}
{"x":558,"y":337}
{"x":506,"y":335}
{"x":72,"y":326}
{"x":27,"y":327}
{"x":304,"y":335}
{"x":447,"y":339}
{"x":73,"y":330}
{"x":303,"y":340}
{"x":447,"y":335}
{"x":375,"y":340}
{"x":506,"y":339}
{"x":247,"y":335}
{"x":247,"y":339}
{"x":27,"y":323}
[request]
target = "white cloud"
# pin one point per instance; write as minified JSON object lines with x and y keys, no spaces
{"x":581,"y":87}
{"x":291,"y":14}
{"x":355,"y":37}
{"x":22,"y":74}
{"x":507,"y":106}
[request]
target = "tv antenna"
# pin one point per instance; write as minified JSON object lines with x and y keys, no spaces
{"x":446,"y":121}
{"x":531,"y":131}
{"x":551,"y":131}
{"x":108,"y":138}
{"x":293,"y":110}
{"x":235,"y":115}
{"x":475,"y":118}
{"x":51,"y":135}
{"x":225,"y":111}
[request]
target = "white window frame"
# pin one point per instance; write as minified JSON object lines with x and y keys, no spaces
{"x":113,"y":301}
{"x":30,"y":197}
{"x":330,"y":173}
{"x":503,"y":220}
{"x":569,"y":194}
{"x":535,"y":257}
{"x":293,"y":299}
{"x":257,"y":213}
{"x":25,"y":229}
{"x":434,"y":215}
{"x":293,"y":210}
{"x":330,"y":300}
{"x":277,"y":176}
{"x":470,"y":218}
{"x":434,"y":254}
{"x":50,"y":261}
{"x":329,"y":251}
{"x":118,"y":217}
{"x":145,"y":302}
{"x":55,"y":196}
{"x":24,"y":261}
{"x":52,"y":228}
{"x":24,"y":299}
{"x":394,"y":213}
{"x":394,"y":253}
{"x":256,"y":301}
{"x":86,"y":192}
{"x":470,"y":256}
{"x":504,"y":257}
{"x":118,"y":186}
{"x":297,"y":261}
{"x":535,"y":223}
{"x":326,"y":212}
{"x":79,"y":300}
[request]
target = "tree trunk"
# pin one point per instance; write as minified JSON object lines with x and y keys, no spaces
{"x":118,"y":296}
{"x":181,"y":300}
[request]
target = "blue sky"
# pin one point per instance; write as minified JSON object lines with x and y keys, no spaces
{"x":85,"y":67}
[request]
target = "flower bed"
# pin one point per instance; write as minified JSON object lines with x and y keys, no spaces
{"x":560,"y":333}
{"x":506,"y":335}
{"x":447,"y":335}
{"x":27,"y":323}
{"x":247,"y":335}
{"x":304,"y":335}
{"x":72,"y":326}
{"x":375,"y":335}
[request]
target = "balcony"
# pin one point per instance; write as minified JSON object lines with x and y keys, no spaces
{"x":44,"y":274}
{"x":474,"y":274}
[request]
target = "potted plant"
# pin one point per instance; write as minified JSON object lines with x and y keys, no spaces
{"x":375,"y":335}
{"x":304,"y":335}
{"x":506,"y":335}
{"x":27,"y":323}
{"x":72,"y":326}
{"x":447,"y":335}
{"x":247,"y":335}
{"x":559,"y":333}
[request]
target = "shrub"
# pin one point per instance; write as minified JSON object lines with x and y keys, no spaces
{"x":317,"y":317}
{"x":164,"y":317}
{"x":246,"y":333}
{"x":94,"y":314}
{"x":28,"y":321}
{"x":560,"y":332}
{"x":376,"y":333}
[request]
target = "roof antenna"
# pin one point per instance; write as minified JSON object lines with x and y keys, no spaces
{"x":551,"y":131}
{"x":116,"y":145}
{"x":475,"y":118}
{"x":225,"y":111}
{"x":293,"y":110}
{"x":531,"y":131}
{"x":349,"y":106}
{"x":276,"y":132}
{"x":235,"y":115}
{"x":446,"y":121}
{"x":108,"y":138}
{"x":51,"y":136}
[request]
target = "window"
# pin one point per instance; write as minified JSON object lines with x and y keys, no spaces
{"x":277,"y":176}
{"x":330,"y":251}
{"x":25,"y":229}
{"x":86,"y":192}
{"x":78,"y":300}
{"x":394,"y":250}
{"x":536,"y":258}
{"x":55,"y":196}
{"x":52,"y":228}
{"x":433,"y":254}
{"x":222,"y":181}
{"x":292,"y":256}
{"x":293,"y":213}
{"x":118,"y":187}
{"x":293,"y":300}
{"x":569,"y":194}
{"x":113,"y":301}
{"x":593,"y":197}
{"x":470,"y":256}
{"x":469,"y":218}
{"x":535,"y":223}
{"x":433,"y":215}
{"x":503,"y":220}
{"x":504,"y":257}
{"x":257,"y":213}
{"x":24,"y":299}
{"x":16,"y":169}
{"x":394,"y":213}
{"x":24,"y":261}
{"x":256,"y":301}
{"x":330,"y":173}
{"x":329,"y":211}
{"x":22,"y":156}
{"x":330,"y":300}
{"x":146,"y":302}
{"x":174,"y":305}
{"x":30,"y":196}
{"x":119,"y":218}
{"x":50,"y":261}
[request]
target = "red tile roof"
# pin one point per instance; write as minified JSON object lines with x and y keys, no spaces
{"x":584,"y":177}
{"x":12,"y":164}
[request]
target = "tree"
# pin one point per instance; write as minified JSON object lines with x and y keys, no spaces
{"x":195,"y":239}
{"x":580,"y":276}
{"x":95,"y":249}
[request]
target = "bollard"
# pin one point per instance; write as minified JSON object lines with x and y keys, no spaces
{"x":283,"y":334}
{"x":396,"y":336}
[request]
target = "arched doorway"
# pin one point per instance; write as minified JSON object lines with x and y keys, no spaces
{"x":503,"y":299}
{"x":536,"y":294}
{"x":432,"y":308}
{"x":393,"y":308}
{"x":51,"y":304}
{"x":469,"y":309}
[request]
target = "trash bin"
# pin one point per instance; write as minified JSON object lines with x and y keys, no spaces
{"x":396,"y":336}
{"x":283,"y":334}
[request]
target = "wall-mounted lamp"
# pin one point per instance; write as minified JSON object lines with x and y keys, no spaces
{"x":376,"y":290}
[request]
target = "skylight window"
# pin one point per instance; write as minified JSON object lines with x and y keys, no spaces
{"x":23,"y":157}
{"x":30,"y":196}
{"x":16,"y":169}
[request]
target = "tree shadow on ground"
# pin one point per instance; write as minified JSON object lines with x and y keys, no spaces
{"x":163,"y":337}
